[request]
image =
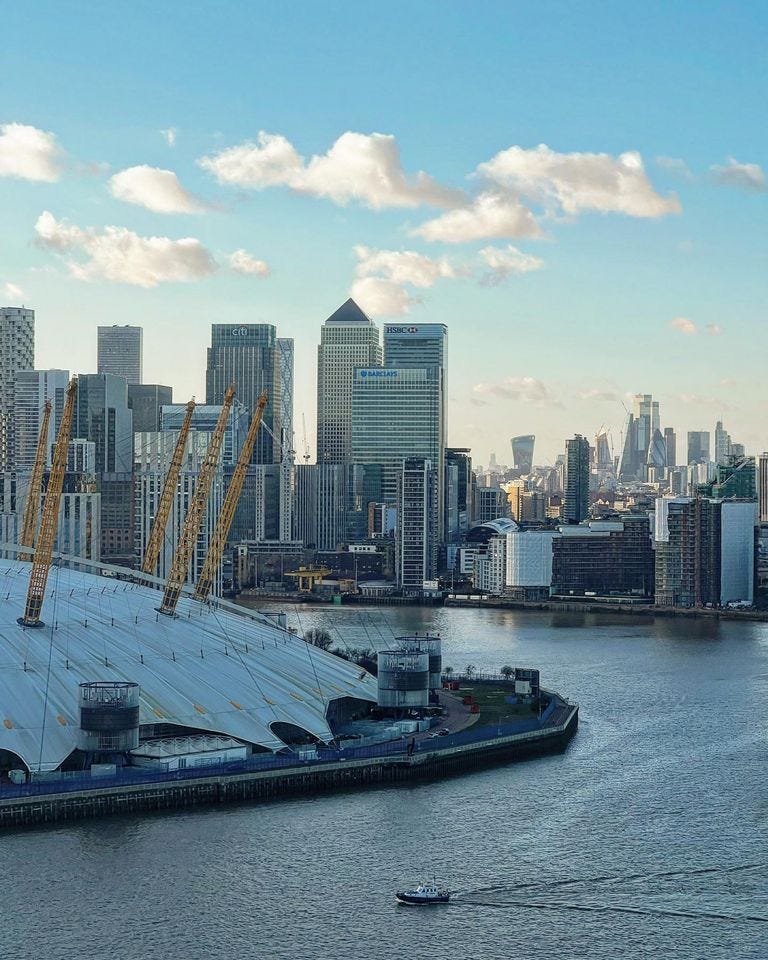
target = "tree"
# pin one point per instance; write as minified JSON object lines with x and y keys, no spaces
{"x":318,"y":638}
{"x":507,"y":671}
{"x":469,"y":669}
{"x":448,"y":671}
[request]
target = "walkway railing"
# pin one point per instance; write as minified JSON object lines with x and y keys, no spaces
{"x":554,"y":715}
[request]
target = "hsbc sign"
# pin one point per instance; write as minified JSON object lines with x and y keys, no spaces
{"x":402,"y":330}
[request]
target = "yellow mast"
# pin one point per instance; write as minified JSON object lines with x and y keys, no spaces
{"x":165,"y":504}
{"x":32,"y":506}
{"x":41,"y":563}
{"x":216,"y":549}
{"x":188,"y":538}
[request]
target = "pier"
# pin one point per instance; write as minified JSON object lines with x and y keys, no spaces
{"x":272,"y":777}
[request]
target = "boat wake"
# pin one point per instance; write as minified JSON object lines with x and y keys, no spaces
{"x":508,"y":896}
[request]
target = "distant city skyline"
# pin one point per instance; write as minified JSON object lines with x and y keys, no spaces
{"x":580,"y":242}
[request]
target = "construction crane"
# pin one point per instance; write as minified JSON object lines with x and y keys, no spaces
{"x":188,"y":538}
{"x":216,"y":549}
{"x":41,"y":563}
{"x":304,"y":435}
{"x":32,"y":506}
{"x":165,"y":504}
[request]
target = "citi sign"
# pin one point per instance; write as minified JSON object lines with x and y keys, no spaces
{"x":378,"y":373}
{"x":240,"y":332}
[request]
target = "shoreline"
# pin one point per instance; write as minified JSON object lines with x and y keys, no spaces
{"x":252,"y":601}
{"x":192,"y":788}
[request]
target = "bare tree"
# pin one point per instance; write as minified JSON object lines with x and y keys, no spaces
{"x":318,"y":638}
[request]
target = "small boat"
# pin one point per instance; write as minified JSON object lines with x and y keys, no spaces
{"x":424,"y":895}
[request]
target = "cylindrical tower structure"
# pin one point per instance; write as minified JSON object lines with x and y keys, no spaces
{"x":109,"y":716}
{"x":403,"y":679}
{"x":431,"y":646}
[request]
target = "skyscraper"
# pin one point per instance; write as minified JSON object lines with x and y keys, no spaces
{"x":17,"y":352}
{"x":396,"y":414}
{"x":146,"y":400}
{"x":416,"y":555}
{"x":698,"y":446}
{"x":576,"y":499}
{"x":670,"y":441}
{"x":762,"y":487}
{"x":33,"y":388}
{"x":421,"y":345}
{"x":102,"y":416}
{"x":247,"y":353}
{"x":642,"y":423}
{"x":722,"y":443}
{"x":522,"y":453}
{"x":285,"y":353}
{"x":120,"y":352}
{"x":424,"y":346}
{"x":348,"y":339}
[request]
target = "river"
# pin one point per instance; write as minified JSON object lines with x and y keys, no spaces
{"x":648,"y":837}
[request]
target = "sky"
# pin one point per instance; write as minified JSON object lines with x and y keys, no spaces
{"x":578,"y":190}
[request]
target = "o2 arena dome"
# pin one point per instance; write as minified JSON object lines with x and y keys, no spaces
{"x":211,"y":669}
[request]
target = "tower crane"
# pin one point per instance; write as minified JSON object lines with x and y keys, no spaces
{"x":41,"y":563}
{"x":216,"y":549}
{"x":155,"y":541}
{"x":304,"y":436}
{"x":32,"y":506}
{"x":188,"y":538}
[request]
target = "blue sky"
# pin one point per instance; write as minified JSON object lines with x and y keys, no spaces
{"x":632,"y":275}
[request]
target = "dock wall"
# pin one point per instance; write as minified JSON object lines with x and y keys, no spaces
{"x":302,"y":779}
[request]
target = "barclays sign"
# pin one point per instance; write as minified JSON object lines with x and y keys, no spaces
{"x":378,"y":372}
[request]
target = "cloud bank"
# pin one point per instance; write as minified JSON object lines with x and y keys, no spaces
{"x":358,"y":166}
{"x":122,"y":256}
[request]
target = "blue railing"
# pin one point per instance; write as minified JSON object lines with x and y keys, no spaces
{"x":554,"y":714}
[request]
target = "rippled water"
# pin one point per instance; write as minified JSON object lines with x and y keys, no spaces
{"x":647,"y":838}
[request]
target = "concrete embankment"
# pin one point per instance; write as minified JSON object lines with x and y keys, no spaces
{"x":631,"y":609}
{"x":307,"y":778}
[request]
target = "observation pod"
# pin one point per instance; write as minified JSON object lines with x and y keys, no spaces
{"x":431,"y":646}
{"x":403,"y":679}
{"x":109,"y":717}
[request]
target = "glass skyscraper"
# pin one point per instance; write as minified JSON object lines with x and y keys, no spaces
{"x":348,"y":339}
{"x":248,"y":355}
{"x":396,"y":414}
{"x":120,"y":352}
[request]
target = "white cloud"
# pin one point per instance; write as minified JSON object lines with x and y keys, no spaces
{"x":579,"y":182}
{"x":156,"y":189}
{"x":714,"y":329}
{"x":169,"y":135}
{"x":358,"y":166}
{"x":383,"y":275}
{"x":684,"y":325}
{"x":675,"y":166}
{"x":492,"y":214}
{"x":379,"y":297}
{"x":27,"y":153}
{"x":122,"y":256}
{"x":745,"y":176}
{"x":523,"y":389}
{"x":12,"y":292}
{"x":242,"y":262}
{"x":698,"y":400}
{"x":403,"y":266}
{"x":504,"y":262}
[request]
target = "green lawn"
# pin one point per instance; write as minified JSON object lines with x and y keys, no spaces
{"x":493,"y":707}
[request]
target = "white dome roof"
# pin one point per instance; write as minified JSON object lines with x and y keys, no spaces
{"x":209,"y":668}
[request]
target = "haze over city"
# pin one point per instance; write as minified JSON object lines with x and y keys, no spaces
{"x":585,"y":235}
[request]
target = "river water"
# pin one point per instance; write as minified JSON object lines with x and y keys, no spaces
{"x":648,"y":837}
